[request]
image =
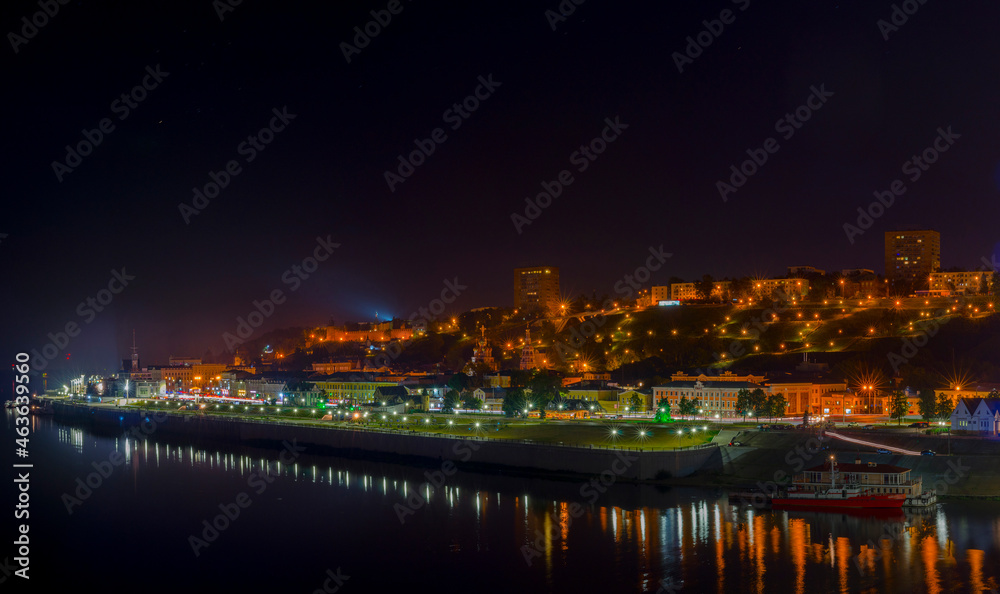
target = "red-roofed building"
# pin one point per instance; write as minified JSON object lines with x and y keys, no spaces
{"x":875,"y":477}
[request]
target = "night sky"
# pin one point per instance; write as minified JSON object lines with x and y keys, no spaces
{"x":323,"y":174}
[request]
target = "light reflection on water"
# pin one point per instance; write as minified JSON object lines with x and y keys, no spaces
{"x":681,"y":540}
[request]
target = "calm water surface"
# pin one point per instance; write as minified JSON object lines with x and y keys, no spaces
{"x":385,"y":531}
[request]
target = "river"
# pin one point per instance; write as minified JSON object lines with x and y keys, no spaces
{"x":110,"y":511}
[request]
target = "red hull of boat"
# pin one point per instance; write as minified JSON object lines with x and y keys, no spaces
{"x":861,"y":502}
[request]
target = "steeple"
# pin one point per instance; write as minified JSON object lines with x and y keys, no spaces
{"x":135,"y":354}
{"x":528,"y":352}
{"x":483,"y":353}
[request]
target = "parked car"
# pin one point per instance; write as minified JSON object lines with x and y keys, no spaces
{"x":920,"y":424}
{"x":868,"y":427}
{"x":852,"y":424}
{"x":736,"y":443}
{"x":927,"y":453}
{"x":882,"y":451}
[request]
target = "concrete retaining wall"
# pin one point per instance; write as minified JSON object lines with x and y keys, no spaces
{"x":627,"y":464}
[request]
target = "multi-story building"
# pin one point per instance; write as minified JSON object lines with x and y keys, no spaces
{"x":911,"y":256}
{"x":966,"y":283}
{"x":335,"y":367}
{"x":859,"y":283}
{"x":626,"y":401}
{"x":370,"y":331}
{"x":798,"y":270}
{"x":354,"y":390}
{"x":725,"y":376}
{"x":185,"y":378}
{"x":845,"y":402}
{"x":817,"y":393}
{"x":150,"y":389}
{"x":716,"y":399}
{"x":791,"y":287}
{"x":492,"y":398}
{"x":277,"y":387}
{"x":189,"y":361}
{"x":688,"y":291}
{"x":805,"y":393}
{"x":537,"y":289}
{"x":978,"y":390}
{"x":658,"y":294}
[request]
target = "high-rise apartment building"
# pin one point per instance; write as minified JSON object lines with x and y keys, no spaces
{"x":911,"y":256}
{"x":537,"y":288}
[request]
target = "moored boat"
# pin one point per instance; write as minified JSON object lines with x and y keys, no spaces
{"x":856,"y":486}
{"x":844,"y":497}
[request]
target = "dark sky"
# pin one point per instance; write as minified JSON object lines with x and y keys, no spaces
{"x":323,"y":175}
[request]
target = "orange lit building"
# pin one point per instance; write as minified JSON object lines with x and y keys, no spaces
{"x":911,"y":256}
{"x":716,"y":399}
{"x":335,"y":367}
{"x":792,"y":287}
{"x":688,"y":291}
{"x":965,"y":283}
{"x":802,"y":394}
{"x":370,"y":331}
{"x":537,"y":289}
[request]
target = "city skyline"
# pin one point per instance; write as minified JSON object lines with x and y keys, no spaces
{"x":258,"y":295}
{"x":554,"y":299}
{"x":216,"y":170}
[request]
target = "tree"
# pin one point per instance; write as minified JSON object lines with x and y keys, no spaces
{"x":519,"y":378}
{"x":993,"y":395}
{"x":544,"y":389}
{"x":470,"y":402}
{"x":898,"y":406}
{"x":758,"y":402}
{"x":741,"y":288}
{"x":451,"y":400}
{"x":705,"y":286}
{"x":635,"y":403}
{"x":557,"y":402}
{"x":744,"y":404}
{"x":687,"y":408}
{"x":458,"y":382}
{"x":927,"y":404}
{"x":944,"y":406}
{"x":776,"y":405}
{"x":663,"y":412}
{"x":805,"y":417}
{"x":514,"y":402}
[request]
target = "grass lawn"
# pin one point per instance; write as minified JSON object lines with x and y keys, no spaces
{"x":577,"y":433}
